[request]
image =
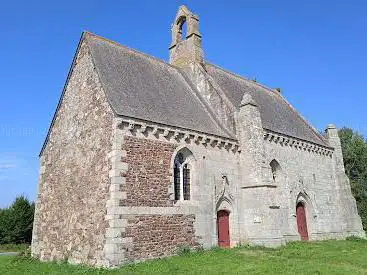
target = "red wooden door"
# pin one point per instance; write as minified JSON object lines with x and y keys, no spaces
{"x":223,"y":228}
{"x":301,"y":222}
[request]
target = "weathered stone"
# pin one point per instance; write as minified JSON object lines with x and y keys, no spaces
{"x":147,"y":178}
{"x":185,"y":51}
{"x":157,"y":235}
{"x":71,"y":206}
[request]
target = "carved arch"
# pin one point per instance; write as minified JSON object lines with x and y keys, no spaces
{"x":303,"y":197}
{"x":306,"y":200}
{"x":224,"y":203}
{"x":223,"y":197}
{"x":178,"y":149}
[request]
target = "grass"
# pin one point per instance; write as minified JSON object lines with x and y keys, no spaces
{"x":13,"y":247}
{"x":326,"y":257}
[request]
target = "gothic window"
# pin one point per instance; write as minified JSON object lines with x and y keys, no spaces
{"x":275,"y":170}
{"x":182,"y":175}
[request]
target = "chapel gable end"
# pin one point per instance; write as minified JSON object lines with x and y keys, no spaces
{"x":74,"y":170}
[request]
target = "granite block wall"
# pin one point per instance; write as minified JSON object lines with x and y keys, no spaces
{"x":73,"y":183}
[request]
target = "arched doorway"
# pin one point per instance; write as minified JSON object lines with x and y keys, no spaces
{"x":223,"y":228}
{"x":301,"y":221}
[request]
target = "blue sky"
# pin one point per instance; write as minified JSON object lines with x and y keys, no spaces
{"x":315,"y":51}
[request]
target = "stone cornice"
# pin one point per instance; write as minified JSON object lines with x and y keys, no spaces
{"x":155,"y":131}
{"x":297,"y":143}
{"x":150,"y":130}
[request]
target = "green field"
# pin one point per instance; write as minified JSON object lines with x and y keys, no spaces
{"x":327,"y":257}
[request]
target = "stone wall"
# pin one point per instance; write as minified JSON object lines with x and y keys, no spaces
{"x":147,"y":185}
{"x":148,"y":175}
{"x":159,"y":235}
{"x":147,"y":157}
{"x":152,"y":224}
{"x":73,"y":185}
{"x":308,"y":176}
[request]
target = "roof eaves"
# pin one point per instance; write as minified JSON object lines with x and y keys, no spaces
{"x":178,"y":127}
{"x":301,"y":139}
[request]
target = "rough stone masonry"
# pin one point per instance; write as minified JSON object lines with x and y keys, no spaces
{"x":145,"y":157}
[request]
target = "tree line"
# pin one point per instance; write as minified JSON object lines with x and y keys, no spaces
{"x":16,"y":222}
{"x":354,"y":147}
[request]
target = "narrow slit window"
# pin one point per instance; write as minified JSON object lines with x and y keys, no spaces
{"x":274,"y":174}
{"x":177,"y":182}
{"x":275,"y":170}
{"x":186,"y":182}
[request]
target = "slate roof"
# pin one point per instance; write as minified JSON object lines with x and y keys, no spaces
{"x":146,"y":88}
{"x":140,"y":86}
{"x":276,"y":113}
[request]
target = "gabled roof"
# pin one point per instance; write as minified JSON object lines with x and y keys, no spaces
{"x":276,"y":113}
{"x":143,"y":87}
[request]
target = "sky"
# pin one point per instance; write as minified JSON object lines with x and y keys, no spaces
{"x":315,"y":51}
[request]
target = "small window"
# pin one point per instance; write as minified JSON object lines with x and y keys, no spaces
{"x":274,"y":174}
{"x":182,"y":175}
{"x":275,"y":170}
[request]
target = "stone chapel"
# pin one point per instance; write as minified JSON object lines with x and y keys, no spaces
{"x":144,"y":157}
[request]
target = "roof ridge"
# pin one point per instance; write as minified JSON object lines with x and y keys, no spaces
{"x":129,"y":49}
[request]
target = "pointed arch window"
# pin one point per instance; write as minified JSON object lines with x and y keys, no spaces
{"x":182,"y":175}
{"x":275,"y":170}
